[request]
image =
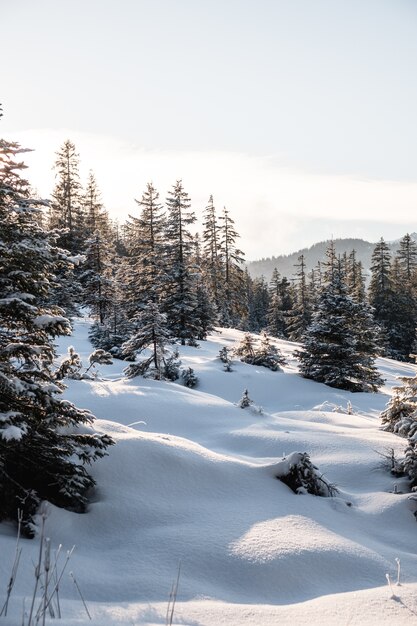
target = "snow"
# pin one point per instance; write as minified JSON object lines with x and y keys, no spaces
{"x":192,"y":480}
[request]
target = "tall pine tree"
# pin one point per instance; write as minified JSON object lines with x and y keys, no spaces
{"x":43,"y":452}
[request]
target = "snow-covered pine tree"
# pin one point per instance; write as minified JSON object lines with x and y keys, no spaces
{"x":332,"y":352}
{"x":276,"y":324}
{"x":232,"y":308}
{"x":95,"y":215}
{"x":205,"y":311}
{"x":281,"y":300}
{"x":43,"y":453}
{"x":66,"y":217}
{"x":299,"y":317}
{"x":97,"y":279}
{"x":355,"y":280}
{"x":211,"y":264}
{"x":258,"y":302}
{"x":245,"y":401}
{"x":66,"y":209}
{"x":400,"y":414}
{"x":268,"y":355}
{"x":381,"y":295}
{"x":180,"y":301}
{"x":152,"y":333}
{"x":245,"y":350}
{"x":143,"y":275}
{"x":404,"y":299}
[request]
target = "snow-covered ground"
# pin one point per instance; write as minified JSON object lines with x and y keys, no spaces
{"x":191,"y":482}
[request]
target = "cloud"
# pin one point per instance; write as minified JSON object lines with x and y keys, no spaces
{"x":276,"y":208}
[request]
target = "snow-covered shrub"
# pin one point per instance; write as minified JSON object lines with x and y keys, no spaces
{"x":70,"y":367}
{"x":172,"y":366}
{"x":268,"y":355}
{"x":299,"y":474}
{"x":189,"y":377}
{"x":409,"y":464}
{"x":245,"y":401}
{"x":400,"y":414}
{"x":245,"y":350}
{"x":224,"y":356}
{"x":265,"y":355}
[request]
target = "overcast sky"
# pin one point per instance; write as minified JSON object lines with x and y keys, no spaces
{"x":298,"y":115}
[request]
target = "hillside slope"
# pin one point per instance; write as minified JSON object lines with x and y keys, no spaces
{"x":192,"y":480}
{"x":315,"y":253}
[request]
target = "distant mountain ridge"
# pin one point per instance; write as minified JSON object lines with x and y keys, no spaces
{"x":315,"y":253}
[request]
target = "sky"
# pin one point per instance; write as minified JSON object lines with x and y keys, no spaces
{"x":298,"y":115}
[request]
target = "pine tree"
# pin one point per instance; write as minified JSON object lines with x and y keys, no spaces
{"x":205,"y":311}
{"x":180,"y":272}
{"x":281,"y":304}
{"x":66,"y":209}
{"x":400,"y":414}
{"x":335,"y":351}
{"x":268,"y":355}
{"x":144,"y":269}
{"x":258,"y":303}
{"x":245,"y":350}
{"x":153,"y":334}
{"x":407,"y":256}
{"x":96,"y":217}
{"x":97,"y":279}
{"x":276,"y":324}
{"x":299,"y":317}
{"x":67,"y":218}
{"x":232,"y":309}
{"x":43,"y":453}
{"x":381,"y":295}
{"x":355,"y":280}
{"x":211,"y":251}
{"x":404,"y":299}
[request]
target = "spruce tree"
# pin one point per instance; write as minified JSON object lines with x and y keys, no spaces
{"x":281,"y":304}
{"x":205,"y":310}
{"x":43,"y":452}
{"x":97,"y":279}
{"x":152,"y":333}
{"x":381,"y":296}
{"x":276,"y":323}
{"x":180,"y":300}
{"x":232,"y":309}
{"x":211,"y":251}
{"x":258,"y":303}
{"x":144,"y":264}
{"x":66,"y":210}
{"x":299,"y":317}
{"x":95,"y":215}
{"x":355,"y":280}
{"x":404,"y":299}
{"x":339,"y":347}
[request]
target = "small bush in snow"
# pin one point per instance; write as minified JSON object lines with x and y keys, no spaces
{"x":224,"y":356}
{"x":400,"y":414}
{"x":265,"y":355}
{"x":245,"y":350}
{"x":172,"y":366}
{"x":71,"y":367}
{"x":300,"y":475}
{"x":268,"y":355}
{"x":189,"y":377}
{"x":245,"y":401}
